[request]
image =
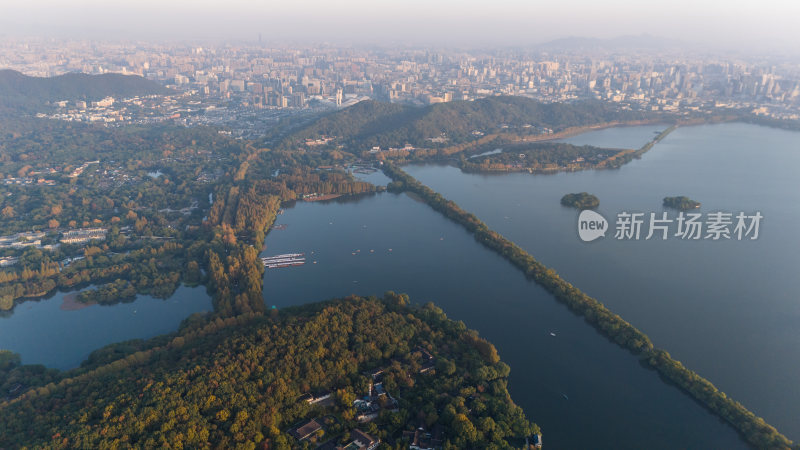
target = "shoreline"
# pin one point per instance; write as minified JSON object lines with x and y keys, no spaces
{"x":574,"y":131}
{"x":70,"y":302}
{"x":321,"y":198}
{"x":626,"y":155}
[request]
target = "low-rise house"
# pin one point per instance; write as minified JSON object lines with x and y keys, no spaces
{"x":427,"y":366}
{"x":22,"y":239}
{"x":428,"y":361}
{"x":305,"y":430}
{"x":360,"y":440}
{"x":369,"y":407}
{"x":421,"y":439}
{"x":83,"y":235}
{"x":7,"y":261}
{"x":20,"y":244}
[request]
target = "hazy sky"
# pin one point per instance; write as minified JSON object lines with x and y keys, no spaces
{"x":729,"y":23}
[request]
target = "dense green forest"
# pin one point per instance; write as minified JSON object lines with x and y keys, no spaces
{"x":18,"y":90}
{"x":14,"y":376}
{"x":752,"y":428}
{"x":237,"y":383}
{"x":26,"y":141}
{"x":146,"y":268}
{"x":371,"y":123}
{"x":581,"y":200}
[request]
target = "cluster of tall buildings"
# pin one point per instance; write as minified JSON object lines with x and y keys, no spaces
{"x":259,"y":76}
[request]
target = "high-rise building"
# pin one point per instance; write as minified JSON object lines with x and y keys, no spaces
{"x":237,"y":85}
{"x":299,"y":100}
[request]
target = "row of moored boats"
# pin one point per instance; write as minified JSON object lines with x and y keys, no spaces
{"x":285,"y":260}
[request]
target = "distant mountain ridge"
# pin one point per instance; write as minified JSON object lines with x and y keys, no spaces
{"x":20,"y":90}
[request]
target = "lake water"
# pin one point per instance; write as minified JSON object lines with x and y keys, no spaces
{"x":620,"y":137}
{"x":43,"y":333}
{"x":727,"y":309}
{"x":377,"y":178}
{"x":372,"y":244}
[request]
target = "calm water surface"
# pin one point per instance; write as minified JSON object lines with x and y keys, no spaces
{"x":621,"y":137}
{"x":727,"y":309}
{"x":44,"y":333}
{"x":583,"y":390}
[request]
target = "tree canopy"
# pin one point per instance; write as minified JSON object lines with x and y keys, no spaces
{"x":238,"y":382}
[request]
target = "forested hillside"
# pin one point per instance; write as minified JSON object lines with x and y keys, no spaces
{"x":238,"y":382}
{"x":372,"y":123}
{"x":20,"y":90}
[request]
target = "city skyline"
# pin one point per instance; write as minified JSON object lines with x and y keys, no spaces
{"x":222,"y":84}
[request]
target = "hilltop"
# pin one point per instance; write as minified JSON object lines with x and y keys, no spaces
{"x":20,"y":90}
{"x":372,"y":123}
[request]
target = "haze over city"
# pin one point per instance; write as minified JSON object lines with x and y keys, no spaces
{"x":732,"y":25}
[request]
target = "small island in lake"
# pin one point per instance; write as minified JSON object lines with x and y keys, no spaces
{"x":681,"y":202}
{"x":582,"y":200}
